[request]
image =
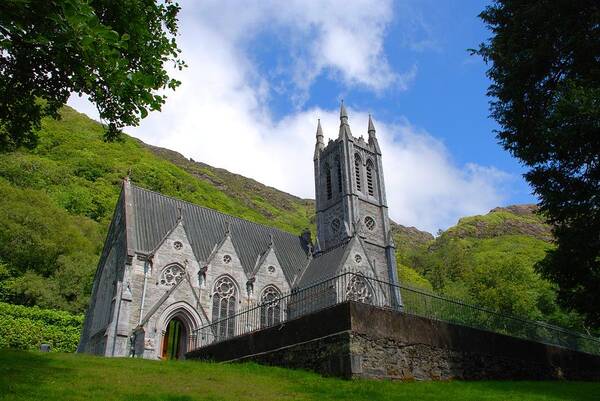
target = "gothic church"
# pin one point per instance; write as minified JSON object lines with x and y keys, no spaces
{"x":169,"y":267}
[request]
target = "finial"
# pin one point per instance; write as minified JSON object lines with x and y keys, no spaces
{"x":371,"y":129}
{"x":178,"y":213}
{"x":227,"y":227}
{"x":271,"y":242}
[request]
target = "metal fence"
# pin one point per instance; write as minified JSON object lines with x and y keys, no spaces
{"x":360,"y":288}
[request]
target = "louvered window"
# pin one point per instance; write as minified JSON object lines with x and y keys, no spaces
{"x":370,"y":186}
{"x":328,"y":181}
{"x":357,"y":173}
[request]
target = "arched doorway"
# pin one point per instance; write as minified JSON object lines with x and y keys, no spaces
{"x":177,"y":325}
{"x":174,"y":344}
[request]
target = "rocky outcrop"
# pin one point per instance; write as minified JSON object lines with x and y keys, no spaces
{"x":509,"y":220}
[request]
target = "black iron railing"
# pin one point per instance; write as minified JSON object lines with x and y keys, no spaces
{"x":360,"y":288}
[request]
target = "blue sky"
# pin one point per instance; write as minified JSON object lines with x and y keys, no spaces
{"x":261,"y":72}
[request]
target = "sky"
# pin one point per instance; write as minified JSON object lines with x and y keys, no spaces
{"x":261,"y":72}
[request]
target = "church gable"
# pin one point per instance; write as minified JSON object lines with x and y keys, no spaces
{"x":356,"y":259}
{"x":171,"y":275}
{"x":268,"y":273}
{"x":223,"y":262}
{"x":172,"y":258}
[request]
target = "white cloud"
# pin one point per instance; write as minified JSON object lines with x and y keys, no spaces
{"x":342,"y":37}
{"x":220,"y":114}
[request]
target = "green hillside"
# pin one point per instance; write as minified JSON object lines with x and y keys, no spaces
{"x":36,"y":376}
{"x":489,"y":261}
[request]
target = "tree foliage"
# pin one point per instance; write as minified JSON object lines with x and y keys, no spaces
{"x":544,"y":61}
{"x":113,"y":51}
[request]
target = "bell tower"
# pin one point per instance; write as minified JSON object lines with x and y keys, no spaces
{"x":350,"y":195}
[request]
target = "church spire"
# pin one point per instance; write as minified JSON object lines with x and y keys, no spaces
{"x":372,"y":138}
{"x":344,"y":126}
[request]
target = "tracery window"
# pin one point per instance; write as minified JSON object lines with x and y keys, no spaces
{"x":171,"y":275}
{"x":370,"y":223}
{"x":370,"y":186}
{"x":328,"y":180}
{"x":359,"y":290}
{"x":357,"y":172}
{"x":270,"y":309}
{"x":224,"y":298}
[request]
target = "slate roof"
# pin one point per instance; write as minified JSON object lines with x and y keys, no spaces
{"x":323,"y":266}
{"x":155,"y":214}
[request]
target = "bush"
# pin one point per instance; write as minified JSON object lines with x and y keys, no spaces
{"x":25,"y":328}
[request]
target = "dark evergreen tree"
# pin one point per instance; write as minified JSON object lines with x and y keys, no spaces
{"x":544,"y":59}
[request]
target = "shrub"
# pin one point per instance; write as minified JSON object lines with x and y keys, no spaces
{"x":25,"y":328}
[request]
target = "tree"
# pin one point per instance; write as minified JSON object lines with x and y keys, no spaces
{"x":113,"y":51}
{"x":544,"y":59}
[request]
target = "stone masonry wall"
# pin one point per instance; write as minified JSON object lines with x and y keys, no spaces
{"x":353,"y":340}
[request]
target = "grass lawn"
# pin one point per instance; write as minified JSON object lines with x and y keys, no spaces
{"x":37,"y":376}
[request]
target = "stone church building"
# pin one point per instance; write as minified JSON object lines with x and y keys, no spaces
{"x":170,"y":267}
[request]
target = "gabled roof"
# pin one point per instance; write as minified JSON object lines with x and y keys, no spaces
{"x":154,"y":215}
{"x":323,"y":266}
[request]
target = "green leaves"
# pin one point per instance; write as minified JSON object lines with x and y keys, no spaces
{"x":115,"y":52}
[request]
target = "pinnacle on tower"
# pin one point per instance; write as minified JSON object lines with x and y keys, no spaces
{"x":319,"y":146}
{"x":343,"y":114}
{"x":319,"y":132}
{"x":371,"y":129}
{"x":372,"y":138}
{"x":344,"y":126}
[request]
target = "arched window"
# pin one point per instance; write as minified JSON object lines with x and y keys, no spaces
{"x":370,"y":186}
{"x":357,"y":172}
{"x":328,"y":180}
{"x":270,"y":308}
{"x":224,"y":298}
{"x":339,"y":174}
{"x":359,"y":290}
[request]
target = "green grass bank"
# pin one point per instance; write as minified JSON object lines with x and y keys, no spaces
{"x":26,"y":375}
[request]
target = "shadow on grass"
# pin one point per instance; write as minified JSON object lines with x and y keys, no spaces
{"x":22,"y":370}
